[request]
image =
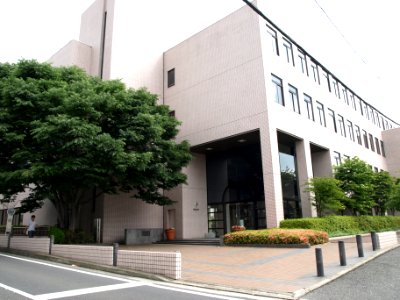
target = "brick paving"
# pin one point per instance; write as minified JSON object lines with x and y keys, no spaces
{"x":287,"y":272}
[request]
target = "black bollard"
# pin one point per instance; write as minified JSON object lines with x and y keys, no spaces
{"x":320,"y":262}
{"x":359,"y":246}
{"x":342,"y":253}
{"x":374,"y":239}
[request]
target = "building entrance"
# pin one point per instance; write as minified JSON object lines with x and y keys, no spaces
{"x":240,"y":214}
{"x":235,"y":188}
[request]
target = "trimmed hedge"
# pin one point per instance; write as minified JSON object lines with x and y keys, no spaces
{"x":345,"y":225}
{"x":276,"y":236}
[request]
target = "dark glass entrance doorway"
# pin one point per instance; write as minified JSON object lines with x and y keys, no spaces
{"x":235,"y":191}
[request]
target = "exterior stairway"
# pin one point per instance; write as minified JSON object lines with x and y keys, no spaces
{"x":205,"y":242}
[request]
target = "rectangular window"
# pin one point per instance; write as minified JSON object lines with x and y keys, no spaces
{"x":337,"y":157}
{"x":360,"y":103}
{"x":371,"y":142}
{"x":335,"y":87}
{"x":332,"y":118}
{"x":321,"y":113}
{"x":325,"y":78}
{"x":314,"y":70}
{"x":342,"y":129}
{"x":371,"y":114}
{"x":274,"y":40}
{"x":352,"y":101}
{"x":278,"y":90}
{"x":309,"y":107}
{"x":350,"y":130}
{"x":289,"y":51}
{"x":378,"y":121}
{"x":378,"y":149}
{"x":365,"y":136}
{"x":383,"y":149}
{"x":171,"y":77}
{"x":358,"y":134}
{"x":303,"y":62}
{"x":345,"y":96}
{"x":366,"y":110}
{"x":295,"y":99}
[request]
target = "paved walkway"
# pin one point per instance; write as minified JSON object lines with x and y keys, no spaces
{"x":281,"y":272}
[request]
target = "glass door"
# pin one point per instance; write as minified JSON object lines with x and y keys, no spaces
{"x":241,"y":213}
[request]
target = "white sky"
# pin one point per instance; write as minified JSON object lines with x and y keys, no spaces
{"x":39,"y":28}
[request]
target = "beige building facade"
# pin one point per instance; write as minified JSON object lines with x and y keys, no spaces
{"x":261,"y":113}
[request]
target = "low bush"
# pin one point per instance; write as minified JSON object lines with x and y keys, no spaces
{"x":276,"y":236}
{"x":59,"y":236}
{"x":345,"y":225}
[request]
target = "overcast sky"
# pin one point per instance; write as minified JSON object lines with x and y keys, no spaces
{"x":366,"y":29}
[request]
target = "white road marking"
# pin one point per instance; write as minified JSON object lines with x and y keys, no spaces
{"x":19,"y":292}
{"x":202,"y":292}
{"x":86,"y":291}
{"x":67,"y":268}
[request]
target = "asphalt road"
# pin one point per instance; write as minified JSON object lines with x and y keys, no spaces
{"x":25,"y":278}
{"x":378,"y":279}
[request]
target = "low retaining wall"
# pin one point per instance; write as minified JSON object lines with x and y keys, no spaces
{"x":95,"y":254}
{"x":387,"y":239}
{"x":3,"y":241}
{"x":168,"y":264}
{"x":37,"y":245}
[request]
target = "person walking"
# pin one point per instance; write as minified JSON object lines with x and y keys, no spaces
{"x":31,"y":227}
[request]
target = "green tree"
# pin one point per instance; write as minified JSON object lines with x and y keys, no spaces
{"x":394,"y":202}
{"x":325,"y":194}
{"x":64,"y":134}
{"x":383,"y":185}
{"x":355,"y":178}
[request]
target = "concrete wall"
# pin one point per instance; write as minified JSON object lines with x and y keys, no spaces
{"x":391,"y":138}
{"x":123,"y":212}
{"x":75,"y":53}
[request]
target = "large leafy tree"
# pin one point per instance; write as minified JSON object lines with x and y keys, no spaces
{"x":394,"y":202}
{"x":383,"y":187}
{"x":64,"y":134}
{"x":355,"y":178}
{"x":325,"y":194}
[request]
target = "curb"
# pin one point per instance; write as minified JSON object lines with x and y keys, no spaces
{"x":299,"y":293}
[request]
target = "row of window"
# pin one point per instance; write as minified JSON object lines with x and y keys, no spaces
{"x":336,"y":122}
{"x":340,"y":158}
{"x":316,"y":71}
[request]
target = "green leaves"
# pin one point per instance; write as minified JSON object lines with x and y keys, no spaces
{"x":67,"y":133}
{"x":355,"y":178}
{"x":326,"y":194}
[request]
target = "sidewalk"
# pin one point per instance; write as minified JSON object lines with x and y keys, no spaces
{"x":276,"y":272}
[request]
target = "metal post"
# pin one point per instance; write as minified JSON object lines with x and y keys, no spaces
{"x":51,"y":243}
{"x":8,"y":240}
{"x":320,"y":262}
{"x":360,"y":245}
{"x":375,"y":245}
{"x":342,"y":253}
{"x":115,"y":254}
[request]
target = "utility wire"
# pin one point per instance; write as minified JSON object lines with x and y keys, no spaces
{"x":338,"y":30}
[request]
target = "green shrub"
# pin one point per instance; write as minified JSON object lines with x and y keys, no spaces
{"x":59,"y":236}
{"x":345,"y":225}
{"x":78,"y":237}
{"x":276,"y":236}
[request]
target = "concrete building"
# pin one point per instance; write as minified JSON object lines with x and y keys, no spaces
{"x":262,"y":114}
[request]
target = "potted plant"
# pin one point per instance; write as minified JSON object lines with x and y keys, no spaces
{"x":170,"y":233}
{"x":238,"y":228}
